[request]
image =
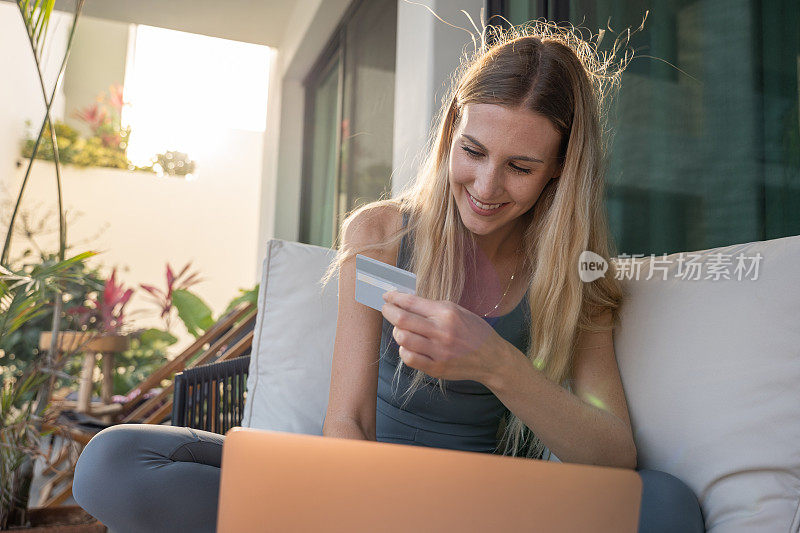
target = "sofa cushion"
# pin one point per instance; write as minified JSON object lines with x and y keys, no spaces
{"x":290,"y":366}
{"x":711,"y":370}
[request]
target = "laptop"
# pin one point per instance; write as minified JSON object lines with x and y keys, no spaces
{"x":289,"y":482}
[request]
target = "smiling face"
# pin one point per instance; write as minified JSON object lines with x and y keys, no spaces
{"x":500,"y":155}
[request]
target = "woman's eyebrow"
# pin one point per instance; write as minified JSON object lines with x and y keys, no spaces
{"x":517,"y":157}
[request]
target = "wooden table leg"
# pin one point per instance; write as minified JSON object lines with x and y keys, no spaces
{"x":108,"y":384}
{"x":85,"y":389}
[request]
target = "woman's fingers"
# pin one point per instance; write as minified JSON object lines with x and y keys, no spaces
{"x":416,"y":360}
{"x":411,"y":302}
{"x":408,"y":320}
{"x":412,"y":341}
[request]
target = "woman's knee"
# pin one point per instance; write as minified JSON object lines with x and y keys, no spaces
{"x":152,"y":478}
{"x":101,"y":463}
{"x":668,"y":504}
{"x":111,"y":462}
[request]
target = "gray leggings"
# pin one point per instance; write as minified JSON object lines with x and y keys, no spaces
{"x":152,"y":478}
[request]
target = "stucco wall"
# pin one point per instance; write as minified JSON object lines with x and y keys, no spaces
{"x":149,"y":221}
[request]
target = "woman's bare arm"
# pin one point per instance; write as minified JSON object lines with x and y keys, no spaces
{"x":354,"y":370}
{"x":590,"y":425}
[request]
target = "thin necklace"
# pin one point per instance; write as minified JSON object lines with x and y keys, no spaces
{"x":507,"y":287}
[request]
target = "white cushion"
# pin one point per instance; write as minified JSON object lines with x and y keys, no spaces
{"x":711,"y":370}
{"x":290,"y":364}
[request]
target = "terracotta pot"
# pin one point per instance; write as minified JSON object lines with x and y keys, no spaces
{"x":63,"y":519}
{"x":78,"y":341}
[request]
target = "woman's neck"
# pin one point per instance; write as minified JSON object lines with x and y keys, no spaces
{"x":489,"y":286}
{"x":502,"y":244}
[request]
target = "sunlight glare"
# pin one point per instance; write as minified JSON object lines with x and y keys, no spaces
{"x":185,"y":90}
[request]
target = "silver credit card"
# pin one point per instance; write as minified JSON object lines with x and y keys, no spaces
{"x":373,"y":278}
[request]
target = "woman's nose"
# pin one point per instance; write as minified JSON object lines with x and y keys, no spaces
{"x":488,"y":185}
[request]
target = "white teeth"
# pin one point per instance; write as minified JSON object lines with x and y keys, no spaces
{"x":484,"y":206}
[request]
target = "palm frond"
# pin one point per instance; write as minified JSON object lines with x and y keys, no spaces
{"x":36,"y":16}
{"x":25,"y":295}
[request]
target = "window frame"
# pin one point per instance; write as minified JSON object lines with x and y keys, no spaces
{"x":331,"y":57}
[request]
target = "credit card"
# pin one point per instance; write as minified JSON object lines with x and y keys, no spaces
{"x":373,"y":278}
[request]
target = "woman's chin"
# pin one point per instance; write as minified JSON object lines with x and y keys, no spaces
{"x":480,"y":228}
{"x":476,"y":223}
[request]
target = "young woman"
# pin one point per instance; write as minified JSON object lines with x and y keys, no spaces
{"x":502,"y":350}
{"x":509,"y":197}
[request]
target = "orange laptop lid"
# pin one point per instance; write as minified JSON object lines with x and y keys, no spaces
{"x":277,"y":481}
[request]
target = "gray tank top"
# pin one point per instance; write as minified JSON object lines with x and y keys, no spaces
{"x":468,"y":417}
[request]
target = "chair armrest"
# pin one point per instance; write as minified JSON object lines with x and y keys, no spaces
{"x":211,"y":397}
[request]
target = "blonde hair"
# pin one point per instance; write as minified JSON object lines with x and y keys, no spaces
{"x":552,"y":71}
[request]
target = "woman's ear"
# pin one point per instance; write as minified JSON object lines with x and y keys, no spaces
{"x":558,"y":171}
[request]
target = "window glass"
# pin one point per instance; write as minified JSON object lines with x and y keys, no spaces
{"x":324,"y":161}
{"x":349,"y":121}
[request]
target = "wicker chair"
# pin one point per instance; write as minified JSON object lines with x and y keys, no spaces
{"x":211,"y":397}
{"x":230,"y":338}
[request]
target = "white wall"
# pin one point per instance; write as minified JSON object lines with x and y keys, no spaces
{"x":211,"y":221}
{"x":20,"y":92}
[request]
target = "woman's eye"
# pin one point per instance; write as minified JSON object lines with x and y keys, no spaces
{"x":471,"y":152}
{"x":475,"y":154}
{"x":520,"y":169}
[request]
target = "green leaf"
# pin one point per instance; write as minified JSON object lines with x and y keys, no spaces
{"x":152,"y":336}
{"x":194,"y":312}
{"x":37,"y":18}
{"x":249,"y":296}
{"x":24,"y":296}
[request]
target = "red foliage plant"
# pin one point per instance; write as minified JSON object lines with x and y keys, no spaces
{"x":106,"y":311}
{"x":163,"y":298}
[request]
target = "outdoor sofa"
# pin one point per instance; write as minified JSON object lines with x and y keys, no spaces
{"x":710,"y":367}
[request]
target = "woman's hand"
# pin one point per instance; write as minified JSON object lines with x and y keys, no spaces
{"x":441,"y":338}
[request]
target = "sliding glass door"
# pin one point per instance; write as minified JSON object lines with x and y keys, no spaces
{"x":322,"y":163}
{"x":349,"y":121}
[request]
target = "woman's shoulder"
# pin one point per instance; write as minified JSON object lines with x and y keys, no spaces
{"x":372,"y":224}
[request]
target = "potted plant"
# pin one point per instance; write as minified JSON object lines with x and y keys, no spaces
{"x":108,"y":141}
{"x":24,"y":295}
